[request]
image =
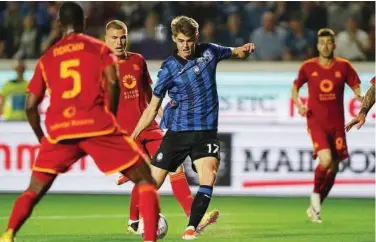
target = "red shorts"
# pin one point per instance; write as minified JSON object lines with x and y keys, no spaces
{"x":150,"y":141}
{"x":333,"y":139}
{"x":111,"y":153}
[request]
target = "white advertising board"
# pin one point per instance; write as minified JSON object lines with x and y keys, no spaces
{"x":256,"y":160}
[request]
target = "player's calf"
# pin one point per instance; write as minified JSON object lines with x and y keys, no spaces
{"x":207,"y":170}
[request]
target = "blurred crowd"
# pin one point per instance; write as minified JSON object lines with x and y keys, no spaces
{"x":281,"y":30}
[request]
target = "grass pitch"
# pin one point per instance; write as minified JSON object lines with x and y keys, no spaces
{"x":102,"y":218}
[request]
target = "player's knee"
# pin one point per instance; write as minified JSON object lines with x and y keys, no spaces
{"x":159,"y":175}
{"x":207,"y":171}
{"x":40,"y":182}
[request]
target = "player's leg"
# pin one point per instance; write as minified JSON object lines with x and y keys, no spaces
{"x":179,"y":183}
{"x":205,"y":156}
{"x":45,"y":170}
{"x":131,"y":163}
{"x":181,"y":189}
{"x":340,"y":152}
{"x":25,"y":203}
{"x":323,"y":151}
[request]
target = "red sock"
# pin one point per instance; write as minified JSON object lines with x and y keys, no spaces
{"x":320,"y":173}
{"x":149,"y":208}
{"x":327,"y":185}
{"x":23,"y":207}
{"x":134,"y":205}
{"x":182,"y":192}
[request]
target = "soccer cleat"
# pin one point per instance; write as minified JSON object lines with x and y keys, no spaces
{"x":133,"y":227}
{"x":121,"y":180}
{"x":189,"y":233}
{"x":314,"y":210}
{"x":7,"y":236}
{"x":209,"y":218}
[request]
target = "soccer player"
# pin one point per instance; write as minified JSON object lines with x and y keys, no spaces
{"x":367,"y":103}
{"x":136,"y":93}
{"x":326,"y":77}
{"x":191,"y":116}
{"x":78,"y":121}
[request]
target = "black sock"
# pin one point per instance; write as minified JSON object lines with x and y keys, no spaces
{"x":200,"y":205}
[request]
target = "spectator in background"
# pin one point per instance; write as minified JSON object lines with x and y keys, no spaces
{"x":252,"y":14}
{"x":13,"y":95}
{"x":150,"y":41}
{"x":338,"y":14}
{"x":353,"y":43}
{"x":28,"y":42}
{"x":315,"y":16}
{"x":10,"y":29}
{"x":233,"y":35}
{"x":269,"y":39}
{"x":371,"y":37}
{"x":51,"y":38}
{"x":208,"y":32}
{"x":300,"y":41}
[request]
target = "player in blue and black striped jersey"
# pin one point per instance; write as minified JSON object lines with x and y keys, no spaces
{"x":191,"y":117}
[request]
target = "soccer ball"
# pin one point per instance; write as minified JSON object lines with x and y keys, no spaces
{"x":162,"y":227}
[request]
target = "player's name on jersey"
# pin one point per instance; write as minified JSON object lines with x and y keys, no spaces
{"x":68,"y":48}
{"x":71,"y":123}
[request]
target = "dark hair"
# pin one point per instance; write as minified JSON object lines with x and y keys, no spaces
{"x":70,"y":13}
{"x":326,"y":32}
{"x":183,"y":24}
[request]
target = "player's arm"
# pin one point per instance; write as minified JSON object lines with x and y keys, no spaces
{"x":353,"y":81}
{"x":243,"y":52}
{"x":149,"y":95}
{"x":113,"y":89}
{"x":32,"y":113}
{"x":147,"y":116}
{"x":368,"y":102}
{"x":34,"y":97}
{"x":298,"y":83}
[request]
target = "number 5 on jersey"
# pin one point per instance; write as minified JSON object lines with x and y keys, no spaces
{"x":66,"y":71}
{"x":213,"y":148}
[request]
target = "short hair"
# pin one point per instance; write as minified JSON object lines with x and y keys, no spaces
{"x":184,"y":25}
{"x":70,"y":13}
{"x":116,"y":24}
{"x":326,"y":32}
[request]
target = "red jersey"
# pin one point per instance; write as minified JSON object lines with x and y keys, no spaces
{"x":72,"y":73}
{"x":134,"y":82}
{"x":373,"y":81}
{"x":325,"y":90}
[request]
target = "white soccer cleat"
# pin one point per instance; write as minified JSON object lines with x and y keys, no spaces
{"x":189,"y":233}
{"x":133,"y":227}
{"x":314,"y":211}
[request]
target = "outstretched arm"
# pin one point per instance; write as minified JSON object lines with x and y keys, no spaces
{"x":244,"y":51}
{"x":147,"y":116}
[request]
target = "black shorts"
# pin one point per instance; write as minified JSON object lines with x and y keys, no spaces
{"x":176,"y":146}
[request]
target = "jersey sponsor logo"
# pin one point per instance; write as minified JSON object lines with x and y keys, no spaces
{"x":129,"y":81}
{"x":69,"y":112}
{"x":326,"y":85}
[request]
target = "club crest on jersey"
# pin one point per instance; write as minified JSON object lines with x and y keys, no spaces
{"x":196,"y":70}
{"x":338,"y":74}
{"x":129,"y":81}
{"x":160,"y":156}
{"x":136,"y":67}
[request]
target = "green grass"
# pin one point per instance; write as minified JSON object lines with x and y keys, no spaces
{"x":70,"y":218}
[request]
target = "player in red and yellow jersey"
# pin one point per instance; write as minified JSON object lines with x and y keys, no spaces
{"x":136,"y":93}
{"x":78,"y":121}
{"x":367,"y":103}
{"x":326,"y":77}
